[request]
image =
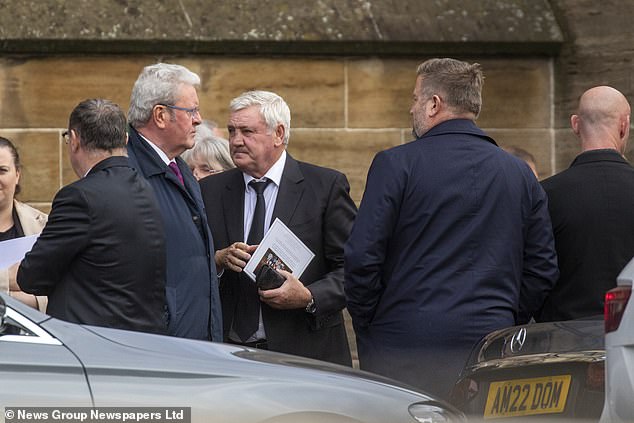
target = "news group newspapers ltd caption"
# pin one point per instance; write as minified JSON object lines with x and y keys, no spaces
{"x":97,"y":415}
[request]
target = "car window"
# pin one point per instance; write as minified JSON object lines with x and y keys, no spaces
{"x":11,"y":327}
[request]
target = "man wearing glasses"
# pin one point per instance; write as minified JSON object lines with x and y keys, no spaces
{"x":100,"y":258}
{"x":163,"y":116}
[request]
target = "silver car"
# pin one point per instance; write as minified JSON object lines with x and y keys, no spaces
{"x":45,"y":362}
{"x":619,"y":346}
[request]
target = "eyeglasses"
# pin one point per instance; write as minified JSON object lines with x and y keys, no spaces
{"x":66,"y":136}
{"x":205,"y":169}
{"x":194,"y":111}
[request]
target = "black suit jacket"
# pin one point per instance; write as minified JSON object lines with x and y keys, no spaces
{"x":314,"y":203}
{"x":101,"y":256}
{"x":591,"y":207}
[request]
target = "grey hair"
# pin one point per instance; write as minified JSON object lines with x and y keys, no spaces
{"x":157,"y":84}
{"x":208,"y":147}
{"x":459,"y":83}
{"x":273,"y":109}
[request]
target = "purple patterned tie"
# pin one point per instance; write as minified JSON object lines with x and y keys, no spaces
{"x":174,"y":167}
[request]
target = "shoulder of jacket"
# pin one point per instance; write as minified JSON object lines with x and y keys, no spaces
{"x":309,"y":168}
{"x":32,"y":219}
{"x":25,"y":209}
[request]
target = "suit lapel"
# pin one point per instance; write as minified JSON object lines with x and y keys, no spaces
{"x":290,"y":191}
{"x":233,"y":207}
{"x":188,"y":179}
{"x":170,"y":176}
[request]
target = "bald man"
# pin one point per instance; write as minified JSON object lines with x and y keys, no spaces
{"x":591,"y":206}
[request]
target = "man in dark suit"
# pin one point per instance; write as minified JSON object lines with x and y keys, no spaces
{"x":302,"y":317}
{"x":163,"y":116}
{"x":452,"y":239}
{"x":591,"y":206}
{"x":101,"y":256}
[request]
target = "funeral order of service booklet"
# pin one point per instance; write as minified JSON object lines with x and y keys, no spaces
{"x":281,"y":249}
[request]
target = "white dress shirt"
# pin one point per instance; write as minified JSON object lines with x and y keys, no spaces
{"x":274,"y":174}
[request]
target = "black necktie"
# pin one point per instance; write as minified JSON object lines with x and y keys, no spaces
{"x":247,"y":315}
{"x":256,"y":233}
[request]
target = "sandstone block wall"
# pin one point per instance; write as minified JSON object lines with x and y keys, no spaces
{"x":344,"y":109}
{"x":597,"y":51}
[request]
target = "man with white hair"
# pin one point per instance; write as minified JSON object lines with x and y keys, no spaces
{"x":163,"y":116}
{"x":590,"y":207}
{"x":302,"y":317}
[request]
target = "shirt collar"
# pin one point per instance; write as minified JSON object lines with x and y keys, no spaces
{"x":274,"y":173}
{"x":160,"y":152}
{"x":606,"y":154}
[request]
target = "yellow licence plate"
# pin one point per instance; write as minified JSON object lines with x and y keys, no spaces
{"x":524,"y":397}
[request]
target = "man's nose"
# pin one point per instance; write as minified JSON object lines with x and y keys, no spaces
{"x":235,"y":138}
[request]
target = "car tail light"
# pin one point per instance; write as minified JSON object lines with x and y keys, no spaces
{"x":615,"y":301}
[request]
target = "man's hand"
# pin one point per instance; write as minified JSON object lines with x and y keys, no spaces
{"x":16,"y":292}
{"x":291,"y":295}
{"x":234,"y":257}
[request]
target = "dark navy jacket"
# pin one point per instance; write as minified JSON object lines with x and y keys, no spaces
{"x":452,"y":241}
{"x":192,"y":285}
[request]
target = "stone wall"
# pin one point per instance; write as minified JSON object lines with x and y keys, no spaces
{"x":344,"y":110}
{"x":598,"y":50}
{"x":346,"y":68}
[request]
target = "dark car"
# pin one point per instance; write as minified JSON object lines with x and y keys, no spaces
{"x":549,"y":370}
{"x":45,"y":362}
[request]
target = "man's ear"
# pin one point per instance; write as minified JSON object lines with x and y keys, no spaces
{"x":624,"y":128}
{"x":574,"y":124}
{"x":279,"y":134}
{"x":74,"y":142}
{"x":160,"y":116}
{"x":435,"y":105}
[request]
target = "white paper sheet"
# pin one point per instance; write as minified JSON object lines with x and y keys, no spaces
{"x":14,"y":250}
